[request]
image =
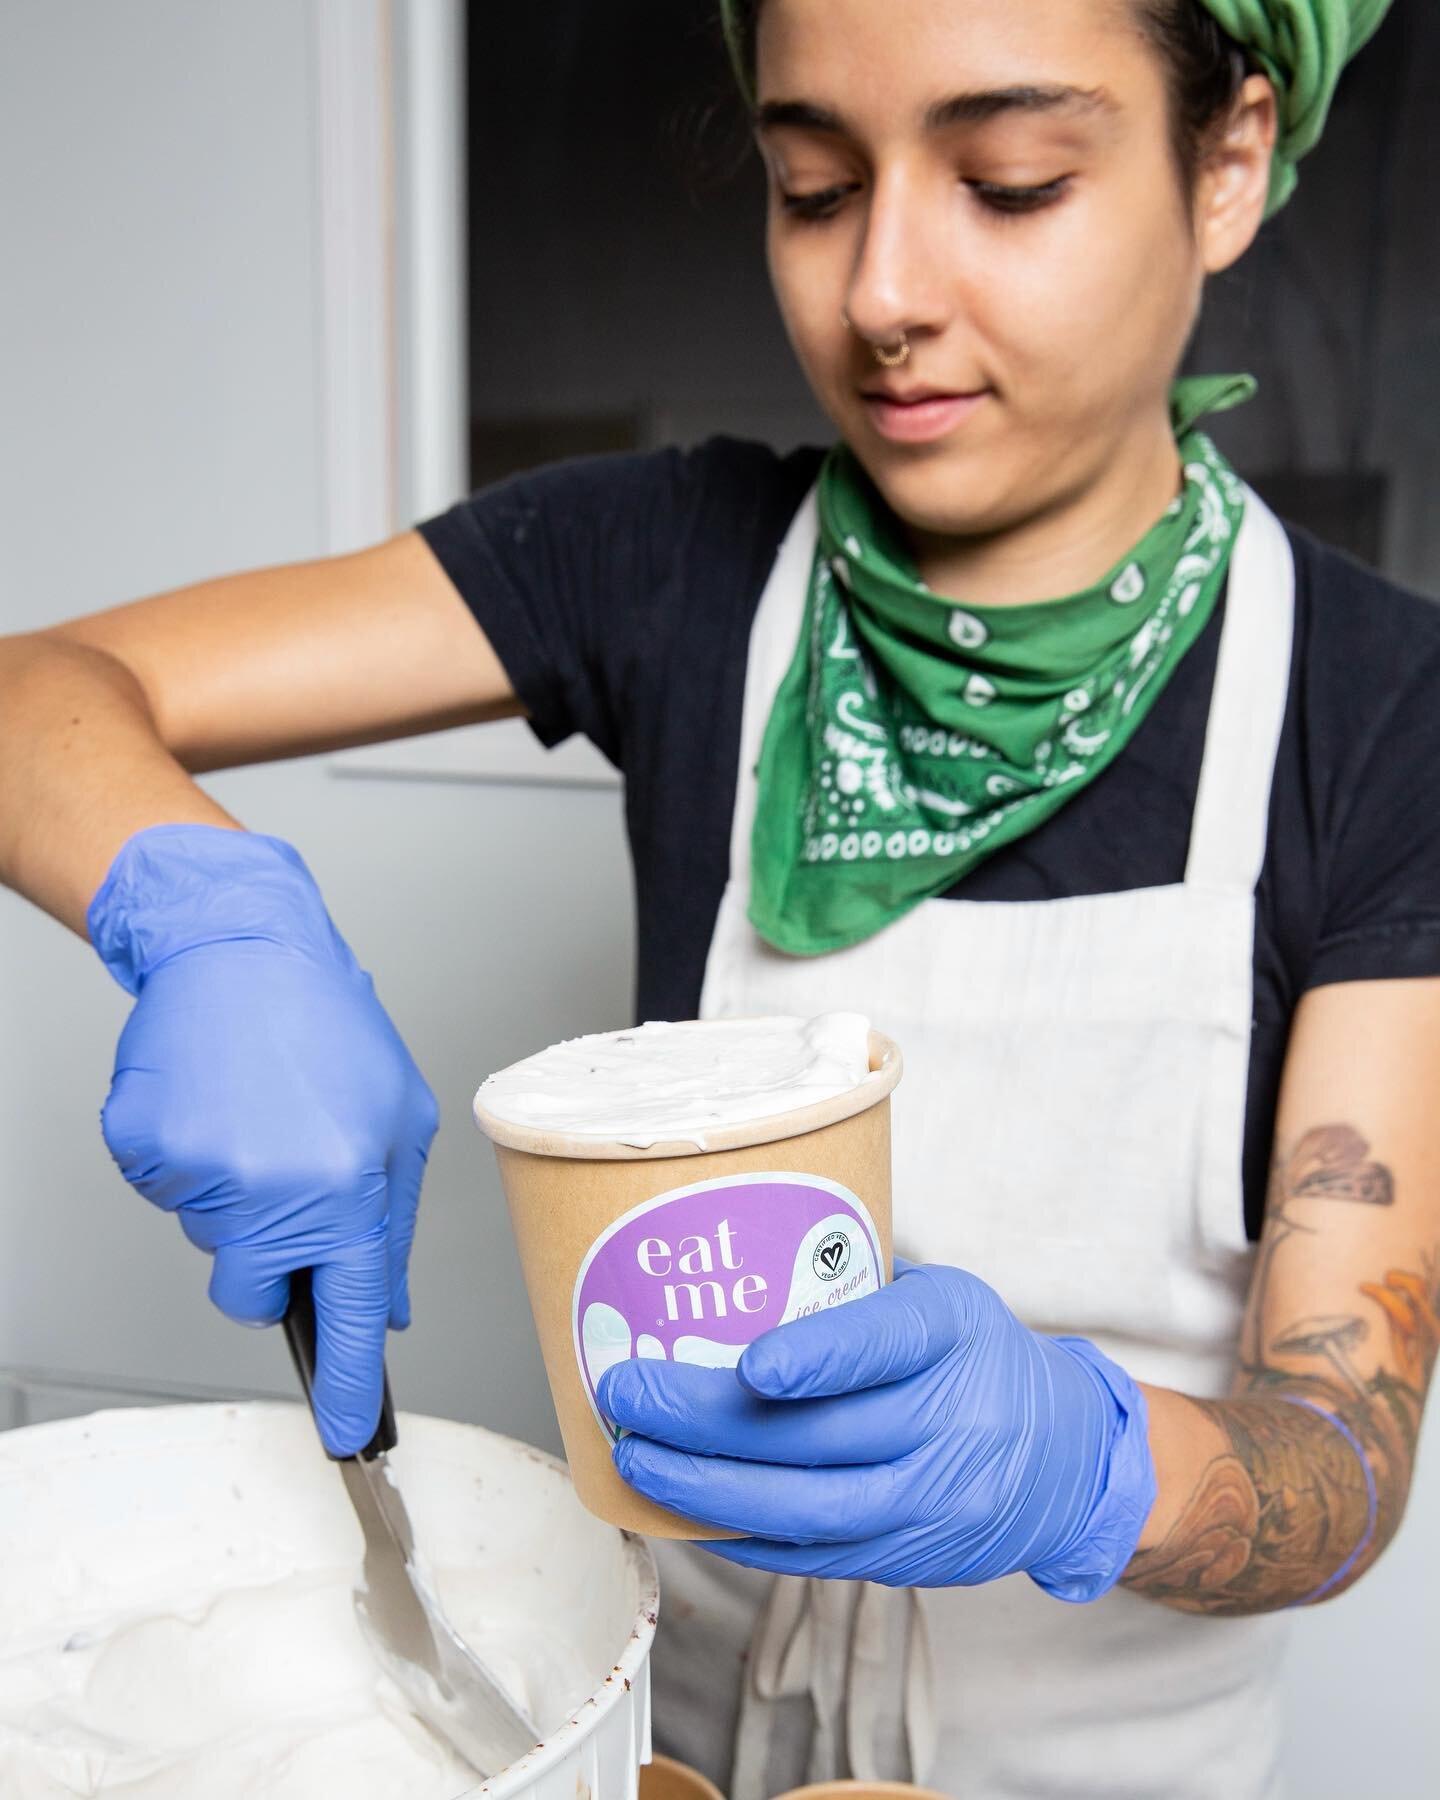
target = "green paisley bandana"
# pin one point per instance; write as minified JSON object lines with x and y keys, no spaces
{"x":913,"y":735}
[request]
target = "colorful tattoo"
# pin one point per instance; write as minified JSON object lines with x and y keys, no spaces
{"x":1304,"y":1497}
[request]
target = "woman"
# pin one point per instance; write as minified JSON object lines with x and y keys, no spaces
{"x":1017,"y":721}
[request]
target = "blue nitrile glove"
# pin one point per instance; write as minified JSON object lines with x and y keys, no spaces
{"x":263,"y":1095}
{"x":920,"y":1437}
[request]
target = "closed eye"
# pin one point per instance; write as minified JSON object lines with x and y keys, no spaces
{"x":1019,"y":199}
{"x":824,"y":203}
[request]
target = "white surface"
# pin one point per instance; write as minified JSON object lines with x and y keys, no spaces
{"x":178,"y":1613}
{"x":663,"y":1080}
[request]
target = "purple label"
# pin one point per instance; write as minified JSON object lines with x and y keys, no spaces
{"x":696,"y":1273}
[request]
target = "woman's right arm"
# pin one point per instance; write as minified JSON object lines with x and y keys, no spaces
{"x":260,"y":1091}
{"x":103,"y":720}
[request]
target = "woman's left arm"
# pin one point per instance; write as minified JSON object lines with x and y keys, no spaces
{"x":1288,"y":1490}
{"x":924,"y":1436}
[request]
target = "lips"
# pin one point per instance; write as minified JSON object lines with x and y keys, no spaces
{"x":911,"y":396}
{"x":917,"y":415}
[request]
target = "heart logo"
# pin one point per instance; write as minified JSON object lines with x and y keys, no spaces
{"x":832,"y":1256}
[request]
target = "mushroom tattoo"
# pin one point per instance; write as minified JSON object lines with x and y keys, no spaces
{"x":1331,"y":1338}
{"x":1330,"y":1162}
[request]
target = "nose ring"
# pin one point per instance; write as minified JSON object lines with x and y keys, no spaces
{"x":889,"y":357}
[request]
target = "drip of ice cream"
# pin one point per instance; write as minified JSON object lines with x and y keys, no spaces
{"x":663,"y":1081}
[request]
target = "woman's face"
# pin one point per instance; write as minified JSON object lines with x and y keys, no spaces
{"x":994,"y":179}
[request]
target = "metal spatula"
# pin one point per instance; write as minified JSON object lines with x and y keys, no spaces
{"x":438,"y":1673}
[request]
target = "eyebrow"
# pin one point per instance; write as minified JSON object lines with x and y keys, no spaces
{"x":973,"y":108}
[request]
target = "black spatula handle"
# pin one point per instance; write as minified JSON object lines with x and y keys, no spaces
{"x":300,"y":1336}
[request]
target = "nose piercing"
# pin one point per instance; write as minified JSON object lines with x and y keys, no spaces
{"x":889,"y":357}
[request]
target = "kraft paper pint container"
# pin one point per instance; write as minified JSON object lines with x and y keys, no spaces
{"x":688,"y":1253}
{"x":662,"y":1778}
{"x":862,"y":1790}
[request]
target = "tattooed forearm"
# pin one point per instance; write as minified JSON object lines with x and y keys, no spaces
{"x":1271,"y":1518}
{"x":1294,"y":1504}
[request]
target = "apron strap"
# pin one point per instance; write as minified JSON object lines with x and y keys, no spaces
{"x":1247,"y":710}
{"x":790,"y":1728}
{"x":890,"y":1711}
{"x":774,"y":634}
{"x":839,"y":1682}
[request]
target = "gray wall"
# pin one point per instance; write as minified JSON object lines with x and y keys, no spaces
{"x":159,"y":362}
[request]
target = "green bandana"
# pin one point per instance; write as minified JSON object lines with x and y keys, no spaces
{"x":912,"y":735}
{"x":1302,"y":45}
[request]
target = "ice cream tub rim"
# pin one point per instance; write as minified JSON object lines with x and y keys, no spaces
{"x":886,"y":1066}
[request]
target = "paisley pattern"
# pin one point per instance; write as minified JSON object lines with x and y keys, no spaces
{"x":912,"y":735}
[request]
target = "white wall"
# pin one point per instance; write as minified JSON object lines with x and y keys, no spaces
{"x":1360,"y":1680}
{"x":161,"y":371}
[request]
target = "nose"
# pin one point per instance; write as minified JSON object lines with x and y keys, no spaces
{"x":896,"y":287}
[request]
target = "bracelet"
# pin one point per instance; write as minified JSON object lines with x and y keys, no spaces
{"x":1325,"y":1586}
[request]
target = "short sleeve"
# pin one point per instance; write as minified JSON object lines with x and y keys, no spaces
{"x":556,"y":565}
{"x":1382,"y":918}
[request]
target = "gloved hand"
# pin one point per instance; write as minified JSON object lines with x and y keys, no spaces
{"x":262,"y":1094}
{"x":920,"y":1437}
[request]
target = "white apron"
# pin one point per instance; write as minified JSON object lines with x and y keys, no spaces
{"x":1069,"y":1128}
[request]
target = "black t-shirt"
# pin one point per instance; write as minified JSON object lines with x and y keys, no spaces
{"x":619,"y":590}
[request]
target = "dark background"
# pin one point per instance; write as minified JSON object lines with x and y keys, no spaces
{"x":618,"y":292}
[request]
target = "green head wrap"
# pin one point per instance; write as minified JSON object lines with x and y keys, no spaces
{"x":1302,"y":45}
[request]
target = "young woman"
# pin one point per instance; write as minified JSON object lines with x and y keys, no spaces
{"x":1016,"y":720}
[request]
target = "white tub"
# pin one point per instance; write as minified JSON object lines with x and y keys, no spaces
{"x":102,"y":1516}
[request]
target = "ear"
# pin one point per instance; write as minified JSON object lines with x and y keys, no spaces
{"x":1235,"y":177}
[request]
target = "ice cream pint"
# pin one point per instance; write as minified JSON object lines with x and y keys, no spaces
{"x":677,"y":1189}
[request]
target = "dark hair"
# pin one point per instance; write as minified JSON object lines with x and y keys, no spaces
{"x":1204,"y":71}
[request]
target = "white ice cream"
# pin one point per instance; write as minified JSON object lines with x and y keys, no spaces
{"x":257,"y":1691}
{"x":662,"y":1081}
{"x":183,"y":1626}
